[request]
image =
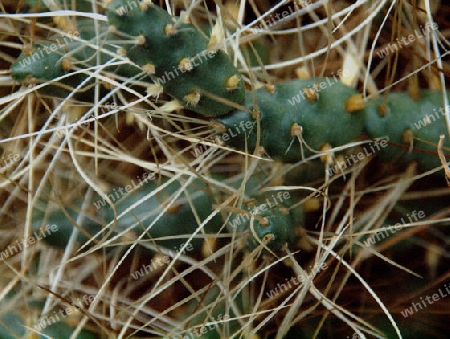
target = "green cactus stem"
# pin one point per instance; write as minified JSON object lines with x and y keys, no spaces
{"x":178,"y":222}
{"x":316,"y":118}
{"x":273,"y":228}
{"x":13,"y":326}
{"x":296,"y":118}
{"x":412,"y":127}
{"x":172,"y":229}
{"x":64,"y":56}
{"x":178,"y":56}
{"x":270,"y":221}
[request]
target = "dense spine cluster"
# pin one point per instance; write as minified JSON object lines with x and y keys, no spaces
{"x":291,"y":120}
{"x":296,"y":118}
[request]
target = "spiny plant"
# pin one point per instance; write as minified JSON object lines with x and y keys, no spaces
{"x":253,"y":270}
{"x":179,"y":57}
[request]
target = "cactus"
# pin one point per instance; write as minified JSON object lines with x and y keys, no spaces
{"x":13,"y":326}
{"x":408,"y":124}
{"x":272,"y":218}
{"x":295,"y":117}
{"x":64,"y":56}
{"x":178,"y":220}
{"x":56,"y":226}
{"x":178,"y":56}
{"x":291,"y":121}
{"x":273,"y":228}
{"x":282,"y":122}
{"x":174,"y":54}
{"x":270,"y":222}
